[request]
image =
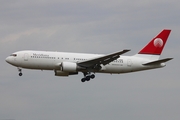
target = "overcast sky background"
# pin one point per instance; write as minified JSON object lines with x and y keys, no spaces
{"x":96,"y":26}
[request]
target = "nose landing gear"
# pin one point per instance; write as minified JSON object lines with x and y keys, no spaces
{"x":20,"y":72}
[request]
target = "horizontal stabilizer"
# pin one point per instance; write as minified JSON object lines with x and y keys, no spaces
{"x":158,"y":61}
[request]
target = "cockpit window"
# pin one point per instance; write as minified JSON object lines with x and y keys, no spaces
{"x":13,"y":55}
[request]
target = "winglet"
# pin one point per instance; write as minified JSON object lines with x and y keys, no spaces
{"x":156,"y":45}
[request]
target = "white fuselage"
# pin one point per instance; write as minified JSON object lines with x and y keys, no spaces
{"x":45,"y":60}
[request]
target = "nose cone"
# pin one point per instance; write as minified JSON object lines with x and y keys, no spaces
{"x":8,"y":60}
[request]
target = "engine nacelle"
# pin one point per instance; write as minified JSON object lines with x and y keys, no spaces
{"x":62,"y":73}
{"x":68,"y":67}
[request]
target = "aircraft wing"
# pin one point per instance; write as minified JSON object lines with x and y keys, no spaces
{"x":106,"y":59}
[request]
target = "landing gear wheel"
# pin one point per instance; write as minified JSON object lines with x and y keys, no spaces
{"x":88,"y":78}
{"x":20,"y":74}
{"x":83,"y":80}
{"x":92,"y":76}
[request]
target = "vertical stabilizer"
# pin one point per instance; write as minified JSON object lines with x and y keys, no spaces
{"x":155,"y":47}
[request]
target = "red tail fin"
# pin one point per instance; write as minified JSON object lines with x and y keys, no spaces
{"x":156,"y":45}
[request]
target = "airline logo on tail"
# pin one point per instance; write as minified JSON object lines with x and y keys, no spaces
{"x":156,"y":45}
{"x":158,"y":42}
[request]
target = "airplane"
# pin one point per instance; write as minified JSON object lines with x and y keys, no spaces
{"x":65,"y":64}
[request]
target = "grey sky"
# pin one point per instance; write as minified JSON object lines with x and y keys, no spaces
{"x":96,"y":26}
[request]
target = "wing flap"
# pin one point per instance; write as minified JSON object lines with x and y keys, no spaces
{"x":106,"y":61}
{"x":158,"y":61}
{"x":103,"y":59}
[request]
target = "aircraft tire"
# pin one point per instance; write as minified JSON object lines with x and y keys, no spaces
{"x":92,"y":76}
{"x":20,"y":74}
{"x":88,"y":78}
{"x":83,"y":80}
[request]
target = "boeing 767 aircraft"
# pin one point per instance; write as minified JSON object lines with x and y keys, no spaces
{"x":65,"y":64}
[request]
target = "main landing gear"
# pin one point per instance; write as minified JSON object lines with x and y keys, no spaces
{"x":20,"y":72}
{"x":87,"y":77}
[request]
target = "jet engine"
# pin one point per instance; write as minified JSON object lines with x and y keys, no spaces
{"x":68,"y":67}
